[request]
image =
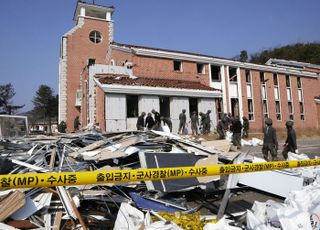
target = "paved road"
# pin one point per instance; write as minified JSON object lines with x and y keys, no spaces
{"x":310,"y":147}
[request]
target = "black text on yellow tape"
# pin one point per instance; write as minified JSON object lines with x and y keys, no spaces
{"x":117,"y":176}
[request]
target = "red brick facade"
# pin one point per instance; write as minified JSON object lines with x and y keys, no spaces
{"x":80,"y":49}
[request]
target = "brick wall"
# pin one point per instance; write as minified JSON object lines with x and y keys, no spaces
{"x":79,"y":50}
{"x":100,"y":108}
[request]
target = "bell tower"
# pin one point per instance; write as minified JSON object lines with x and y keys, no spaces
{"x":87,"y":43}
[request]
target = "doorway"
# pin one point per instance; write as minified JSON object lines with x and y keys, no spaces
{"x":235,"y":107}
{"x":193,"y":105}
{"x":165,"y":106}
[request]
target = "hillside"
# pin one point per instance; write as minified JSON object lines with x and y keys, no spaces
{"x":304,"y":52}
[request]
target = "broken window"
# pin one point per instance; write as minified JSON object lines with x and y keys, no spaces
{"x":299,"y":83}
{"x":262,"y":80}
{"x":288,"y":81}
{"x":278,"y":110}
{"x":200,"y":68}
{"x":233,"y":74}
{"x":177,"y":66}
{"x":219,"y":107}
{"x":132,"y":106}
{"x":275,"y":79}
{"x":234,"y":107}
{"x":91,"y":61}
{"x":248,"y":76}
{"x":265,"y":108}
{"x":215,"y":73}
{"x":95,"y":36}
{"x":301,"y":111}
{"x":250,"y":110}
{"x":290,"y":109}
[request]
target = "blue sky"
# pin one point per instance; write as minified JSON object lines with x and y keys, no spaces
{"x":31,"y":31}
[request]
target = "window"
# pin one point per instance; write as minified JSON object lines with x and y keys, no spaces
{"x":215,"y":73}
{"x":248,"y":76}
{"x":277,"y":96}
{"x":290,"y":108}
{"x":301,"y":111}
{"x":250,"y":110}
{"x":249,"y":95}
{"x":262,"y":78}
{"x":132,"y":106}
{"x":95,"y":36}
{"x":275,"y":79}
{"x":233,"y":74}
{"x":299,"y":83}
{"x":200,"y":68}
{"x":300,"y":95}
{"x":219,"y":106}
{"x":177,"y":66}
{"x":288,"y":81}
{"x":91,"y":61}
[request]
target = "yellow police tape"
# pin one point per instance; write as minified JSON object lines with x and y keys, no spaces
{"x":51,"y":179}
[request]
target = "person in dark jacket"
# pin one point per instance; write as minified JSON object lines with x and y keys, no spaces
{"x":206,"y":122}
{"x":245,"y":127}
{"x":222,"y":128}
{"x":149,"y":121}
{"x":270,"y":141}
{"x":202,"y":119}
{"x":167,"y":121}
{"x":291,"y":141}
{"x":182,"y":122}
{"x":194,"y":123}
{"x":236,"y":128}
{"x":140,"y":121}
{"x":157,"y":120}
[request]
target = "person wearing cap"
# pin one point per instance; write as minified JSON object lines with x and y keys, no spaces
{"x":140,"y":121}
{"x":270,"y":141}
{"x":194,"y":123}
{"x":207,"y":125}
{"x":182,"y":122}
{"x":291,"y":142}
{"x":149,"y":121}
{"x":236,"y":128}
{"x":167,"y":121}
{"x":222,"y":127}
{"x":245,"y":127}
{"x":157,"y":120}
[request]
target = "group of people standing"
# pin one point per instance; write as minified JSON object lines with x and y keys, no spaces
{"x":154,"y":122}
{"x":270,"y":141}
{"x":233,"y":124}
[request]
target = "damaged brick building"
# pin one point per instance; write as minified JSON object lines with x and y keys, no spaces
{"x":109,"y":83}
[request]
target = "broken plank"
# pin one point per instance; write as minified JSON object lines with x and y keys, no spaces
{"x":57,"y":221}
{"x":11,"y":204}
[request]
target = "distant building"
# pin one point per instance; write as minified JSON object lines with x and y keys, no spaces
{"x":105,"y":82}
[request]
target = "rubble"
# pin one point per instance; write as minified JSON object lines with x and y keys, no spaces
{"x":164,"y":204}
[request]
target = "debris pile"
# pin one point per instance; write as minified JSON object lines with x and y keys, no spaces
{"x":164,"y":204}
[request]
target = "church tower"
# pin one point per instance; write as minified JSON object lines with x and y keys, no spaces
{"x":87,"y":43}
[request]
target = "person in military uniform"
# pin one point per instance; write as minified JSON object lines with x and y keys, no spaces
{"x":206,"y":122}
{"x":149,"y":121}
{"x":157,"y":120}
{"x":291,"y":141}
{"x":202,"y":121}
{"x":270,"y":141}
{"x":222,"y":127}
{"x":140,"y":122}
{"x":194,"y":123}
{"x":167,"y":121}
{"x":182,"y":122}
{"x":236,"y":128}
{"x":245,"y":127}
